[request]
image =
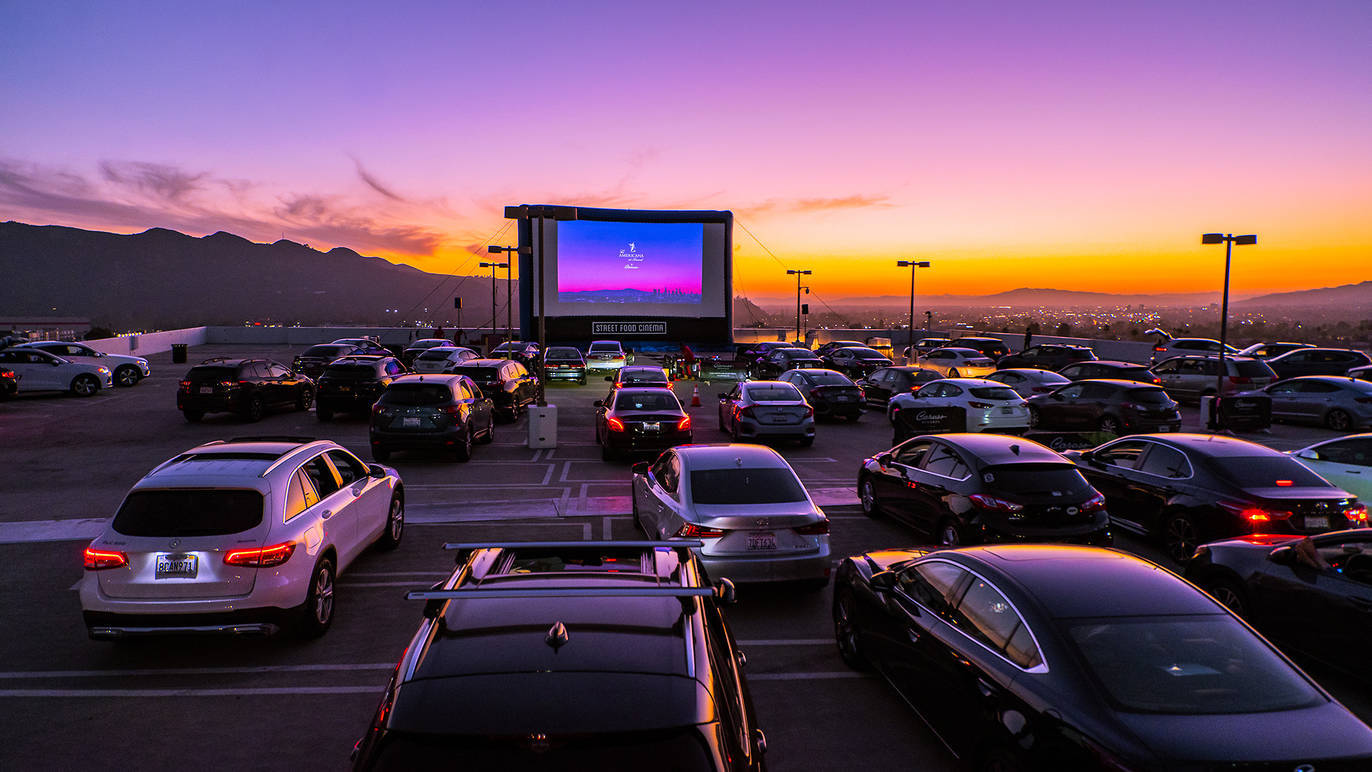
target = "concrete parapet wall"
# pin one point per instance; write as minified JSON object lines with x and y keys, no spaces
{"x":150,"y":343}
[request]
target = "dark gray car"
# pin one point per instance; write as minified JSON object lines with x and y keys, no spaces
{"x":1342,"y":404}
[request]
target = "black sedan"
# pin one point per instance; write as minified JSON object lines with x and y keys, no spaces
{"x":972,"y":488}
{"x":778,"y":361}
{"x":314,"y":358}
{"x":1186,"y":489}
{"x":1068,"y":658}
{"x":634,"y":419}
{"x":832,"y":394}
{"x":880,"y":385}
{"x":1317,"y":361}
{"x":1048,"y":356}
{"x":1108,"y":368}
{"x":1311,"y":594}
{"x":564,"y":363}
{"x":855,"y":361}
{"x":1117,"y":407}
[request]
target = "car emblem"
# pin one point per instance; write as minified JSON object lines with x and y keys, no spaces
{"x":174,"y":543}
{"x":1322,"y":505}
{"x":1304,"y":768}
{"x":1072,"y":510}
{"x":761,"y":522}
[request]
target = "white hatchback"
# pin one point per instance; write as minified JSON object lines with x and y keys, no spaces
{"x":989,"y":405}
{"x":126,"y":370}
{"x":41,"y":371}
{"x":246,"y":536}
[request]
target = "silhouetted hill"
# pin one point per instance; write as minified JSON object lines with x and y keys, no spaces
{"x":1355,"y":296}
{"x":163,"y":279}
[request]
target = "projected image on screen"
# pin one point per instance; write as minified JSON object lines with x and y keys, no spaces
{"x":624,"y":262}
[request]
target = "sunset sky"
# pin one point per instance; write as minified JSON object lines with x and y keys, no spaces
{"x":1076,"y":145}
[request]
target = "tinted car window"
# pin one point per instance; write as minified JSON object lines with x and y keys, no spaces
{"x":1167,"y":462}
{"x":1148,"y":396}
{"x":1357,"y":452}
{"x":935,"y":584}
{"x":1035,"y":478}
{"x":986,"y":392}
{"x":189,"y":512}
{"x":992,"y":620}
{"x":625,"y":401}
{"x":300,"y":496}
{"x":911,"y":453}
{"x":436,"y":354}
{"x":1265,"y":471}
{"x":1125,"y":454}
{"x":321,"y":476}
{"x":480,"y":374}
{"x":415,"y":394}
{"x":212,"y":373}
{"x":365,"y":371}
{"x":745,"y":486}
{"x":564,"y":354}
{"x":349,"y":468}
{"x":1188,"y":665}
{"x":1253,"y":370}
{"x":773,"y":393}
{"x":947,"y":463}
{"x":327,"y":350}
{"x":826,"y":379}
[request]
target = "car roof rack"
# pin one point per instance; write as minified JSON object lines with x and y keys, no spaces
{"x":641,"y":543}
{"x":271,"y":438}
{"x":563,"y":592}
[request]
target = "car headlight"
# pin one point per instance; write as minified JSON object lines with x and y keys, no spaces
{"x":104,"y":371}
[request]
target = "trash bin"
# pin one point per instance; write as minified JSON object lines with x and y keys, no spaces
{"x":179,"y":353}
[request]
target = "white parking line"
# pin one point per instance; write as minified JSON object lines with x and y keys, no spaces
{"x":143,"y":672}
{"x":261,"y":691}
{"x":806,"y":676}
{"x":787,"y":642}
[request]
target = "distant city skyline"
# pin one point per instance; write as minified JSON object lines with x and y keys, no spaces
{"x":1069,"y":144}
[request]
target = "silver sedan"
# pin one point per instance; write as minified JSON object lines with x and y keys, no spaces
{"x":745,"y":503}
{"x":1339,"y":402}
{"x":1027,"y":381}
{"x":766,"y":409}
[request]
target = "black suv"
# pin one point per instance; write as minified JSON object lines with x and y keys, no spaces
{"x":509,"y":385}
{"x":881,"y":385}
{"x":313,"y":360}
{"x":778,"y":361}
{"x":854,"y":361}
{"x":433,"y":412}
{"x":1048,"y":356}
{"x":1317,"y":361}
{"x":991,"y":348}
{"x":248,"y":387}
{"x":352,"y":384}
{"x":573,"y":656}
{"x":1108,"y":368}
{"x":1117,"y":407}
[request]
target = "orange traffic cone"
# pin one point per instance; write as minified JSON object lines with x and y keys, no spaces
{"x":695,"y":396}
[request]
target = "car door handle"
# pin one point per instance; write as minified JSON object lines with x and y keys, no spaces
{"x":985,"y":687}
{"x":326,"y":514}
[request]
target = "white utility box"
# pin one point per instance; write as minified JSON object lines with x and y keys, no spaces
{"x":543,"y":426}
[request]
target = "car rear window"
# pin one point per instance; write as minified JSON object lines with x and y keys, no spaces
{"x":1253,"y":370}
{"x":416,"y":394}
{"x":1035,"y":478}
{"x":1206,"y":664}
{"x":868,"y":354}
{"x":1148,"y":396}
{"x":189,"y":512}
{"x":436,"y":353}
{"x":1133,"y":372}
{"x":680,"y":750}
{"x":604,"y":348}
{"x":481,"y":374}
{"x":350,"y":370}
{"x":785,"y":393}
{"x":326,"y":350}
{"x":564,"y":354}
{"x":1266,"y":472}
{"x":994,"y":392}
{"x":641,"y":401}
{"x":212,"y":373}
{"x":768,"y":485}
{"x":828,"y":379}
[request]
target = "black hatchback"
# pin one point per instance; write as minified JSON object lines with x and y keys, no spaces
{"x":1186,"y":489}
{"x":506,"y":381}
{"x":1117,"y":407}
{"x":445,"y":413}
{"x":248,"y":387}
{"x":609,"y":655}
{"x":831,"y":393}
{"x":352,"y":384}
{"x":881,"y":385}
{"x":780,"y":360}
{"x":977,"y":488}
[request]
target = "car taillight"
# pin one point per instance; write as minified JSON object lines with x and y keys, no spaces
{"x":998,"y":504}
{"x":614,"y":424}
{"x":1159,"y":348}
{"x":693,"y":531}
{"x":263,"y":557}
{"x":814,"y":529}
{"x":809,"y":412}
{"x":1357,"y":514}
{"x":98,"y":560}
{"x":1094,"y":504}
{"x":1240,"y":379}
{"x":185,"y":385}
{"x":979,"y":405}
{"x":684,"y":423}
{"x":747,"y":412}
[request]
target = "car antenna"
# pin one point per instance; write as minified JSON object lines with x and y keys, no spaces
{"x":557,"y":636}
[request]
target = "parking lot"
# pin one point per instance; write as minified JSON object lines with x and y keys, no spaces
{"x":284,"y":702}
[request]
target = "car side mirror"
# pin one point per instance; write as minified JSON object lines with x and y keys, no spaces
{"x":884,"y":581}
{"x":725,"y":592}
{"x":1283,"y":556}
{"x":598,"y":403}
{"x":374,"y":470}
{"x":1310,"y":455}
{"x":639,"y":467}
{"x":884,"y":459}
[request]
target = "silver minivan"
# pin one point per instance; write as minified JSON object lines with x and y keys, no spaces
{"x":1192,"y":377}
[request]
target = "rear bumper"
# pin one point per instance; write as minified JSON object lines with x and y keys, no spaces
{"x":567,"y":375}
{"x":625,"y":442}
{"x":748,"y":427}
{"x":981,"y":421}
{"x":417,"y":440}
{"x":837,"y":408}
{"x":353,"y":401}
{"x":227,"y":403}
{"x":107,"y":626}
{"x":769,"y":568}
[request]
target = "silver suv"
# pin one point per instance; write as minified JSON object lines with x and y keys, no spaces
{"x":1193,"y":377}
{"x":245,"y":536}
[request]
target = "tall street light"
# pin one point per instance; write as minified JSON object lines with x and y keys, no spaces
{"x":1228,"y":240}
{"x":509,"y":285}
{"x":798,"y":274}
{"x":493,"y":266}
{"x":912,"y":265}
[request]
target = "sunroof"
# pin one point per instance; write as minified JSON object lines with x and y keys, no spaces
{"x":598,"y":561}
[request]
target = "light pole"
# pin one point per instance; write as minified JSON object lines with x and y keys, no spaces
{"x":509,"y":285}
{"x":912,"y":265}
{"x":494,"y":266}
{"x":1229,"y":240}
{"x":798,"y":274}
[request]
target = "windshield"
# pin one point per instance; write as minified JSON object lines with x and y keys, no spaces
{"x":770,"y":485}
{"x":645,"y":401}
{"x":480,"y":374}
{"x":327,"y":350}
{"x":212,"y":374}
{"x":189,"y":512}
{"x":1266,"y":471}
{"x":1046,"y":479}
{"x":415,"y":394}
{"x":1188,"y":665}
{"x":776,"y":393}
{"x":350,"y":370}
{"x":997,"y":392}
{"x":437,"y":353}
{"x":1148,"y":396}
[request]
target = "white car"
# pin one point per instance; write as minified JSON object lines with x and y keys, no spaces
{"x":990,"y":405}
{"x":41,"y":371}
{"x":1028,"y":381}
{"x":126,"y":370}
{"x":746,"y":504}
{"x":1166,"y":346}
{"x":442,"y":359}
{"x":955,"y":362}
{"x":606,"y":355}
{"x":1346,"y":462}
{"x":238,"y":537}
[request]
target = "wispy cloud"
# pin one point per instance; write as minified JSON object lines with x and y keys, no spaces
{"x":370,"y":181}
{"x":813,"y":205}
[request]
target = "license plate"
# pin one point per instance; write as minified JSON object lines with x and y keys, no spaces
{"x":1164,"y":428}
{"x":778,"y":419}
{"x":655,"y":426}
{"x":177,"y":566}
{"x":409,"y":423}
{"x":1007,"y":411}
{"x":762,"y":540}
{"x":345,"y":388}
{"x":206,"y":389}
{"x":1316,"y":521}
{"x":844,"y":398}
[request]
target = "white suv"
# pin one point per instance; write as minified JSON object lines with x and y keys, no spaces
{"x":126,"y":370}
{"x":42,"y":371}
{"x":244,"y":536}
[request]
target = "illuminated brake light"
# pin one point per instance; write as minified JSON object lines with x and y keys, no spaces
{"x":263,"y":557}
{"x":684,"y":423}
{"x":814,"y":529}
{"x":693,"y":531}
{"x":614,"y":424}
{"x":979,"y":405}
{"x":1255,"y":515}
{"x":1284,"y":483}
{"x":1356,"y":514}
{"x":98,"y":560}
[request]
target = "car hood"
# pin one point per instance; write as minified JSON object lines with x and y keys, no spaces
{"x":1323,"y":732}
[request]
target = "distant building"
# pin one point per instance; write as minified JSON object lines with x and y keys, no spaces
{"x":45,"y":327}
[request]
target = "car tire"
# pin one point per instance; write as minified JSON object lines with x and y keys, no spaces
{"x":867,"y":495}
{"x":947,"y":533}
{"x":1111,"y":424}
{"x":381,"y":453}
{"x":304,"y":400}
{"x":128,"y":375}
{"x":489,"y":436}
{"x":85,"y":386}
{"x":462,"y":452}
{"x":1339,"y":420}
{"x":323,"y":414}
{"x":315,"y":615}
{"x":1228,"y":592}
{"x":193,"y":416}
{"x":252,"y":413}
{"x":733,"y":431}
{"x":1180,"y":536}
{"x":846,"y":631}
{"x":395,"y":525}
{"x":1034,"y":418}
